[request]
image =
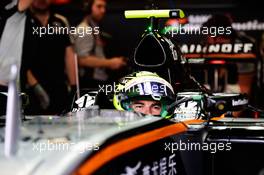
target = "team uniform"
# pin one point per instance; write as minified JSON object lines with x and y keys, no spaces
{"x":45,"y":56}
{"x":12,"y":27}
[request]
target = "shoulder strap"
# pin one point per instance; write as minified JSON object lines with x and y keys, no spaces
{"x":94,"y":40}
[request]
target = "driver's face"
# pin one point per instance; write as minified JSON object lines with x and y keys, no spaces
{"x":147,"y":107}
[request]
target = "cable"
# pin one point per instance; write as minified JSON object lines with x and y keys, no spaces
{"x":200,"y":86}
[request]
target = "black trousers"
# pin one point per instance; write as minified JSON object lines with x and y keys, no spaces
{"x":3,"y":100}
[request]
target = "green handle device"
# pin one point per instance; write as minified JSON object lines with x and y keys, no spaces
{"x":154,"y":15}
{"x":174,"y":13}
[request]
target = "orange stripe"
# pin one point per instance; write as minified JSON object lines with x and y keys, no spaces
{"x":193,"y":55}
{"x":116,"y":149}
{"x":218,"y":118}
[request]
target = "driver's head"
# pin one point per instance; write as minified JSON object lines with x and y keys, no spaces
{"x":143,"y":92}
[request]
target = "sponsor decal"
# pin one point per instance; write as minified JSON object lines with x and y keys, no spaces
{"x":163,"y":166}
{"x":239,"y":102}
{"x":87,"y":100}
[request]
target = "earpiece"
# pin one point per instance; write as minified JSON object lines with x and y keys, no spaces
{"x":88,"y":6}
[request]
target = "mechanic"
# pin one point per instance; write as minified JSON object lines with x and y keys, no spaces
{"x":144,"y":92}
{"x":12,"y":24}
{"x":48,"y":61}
{"x":89,"y":48}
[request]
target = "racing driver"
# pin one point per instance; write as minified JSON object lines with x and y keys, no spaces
{"x":144,"y":92}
